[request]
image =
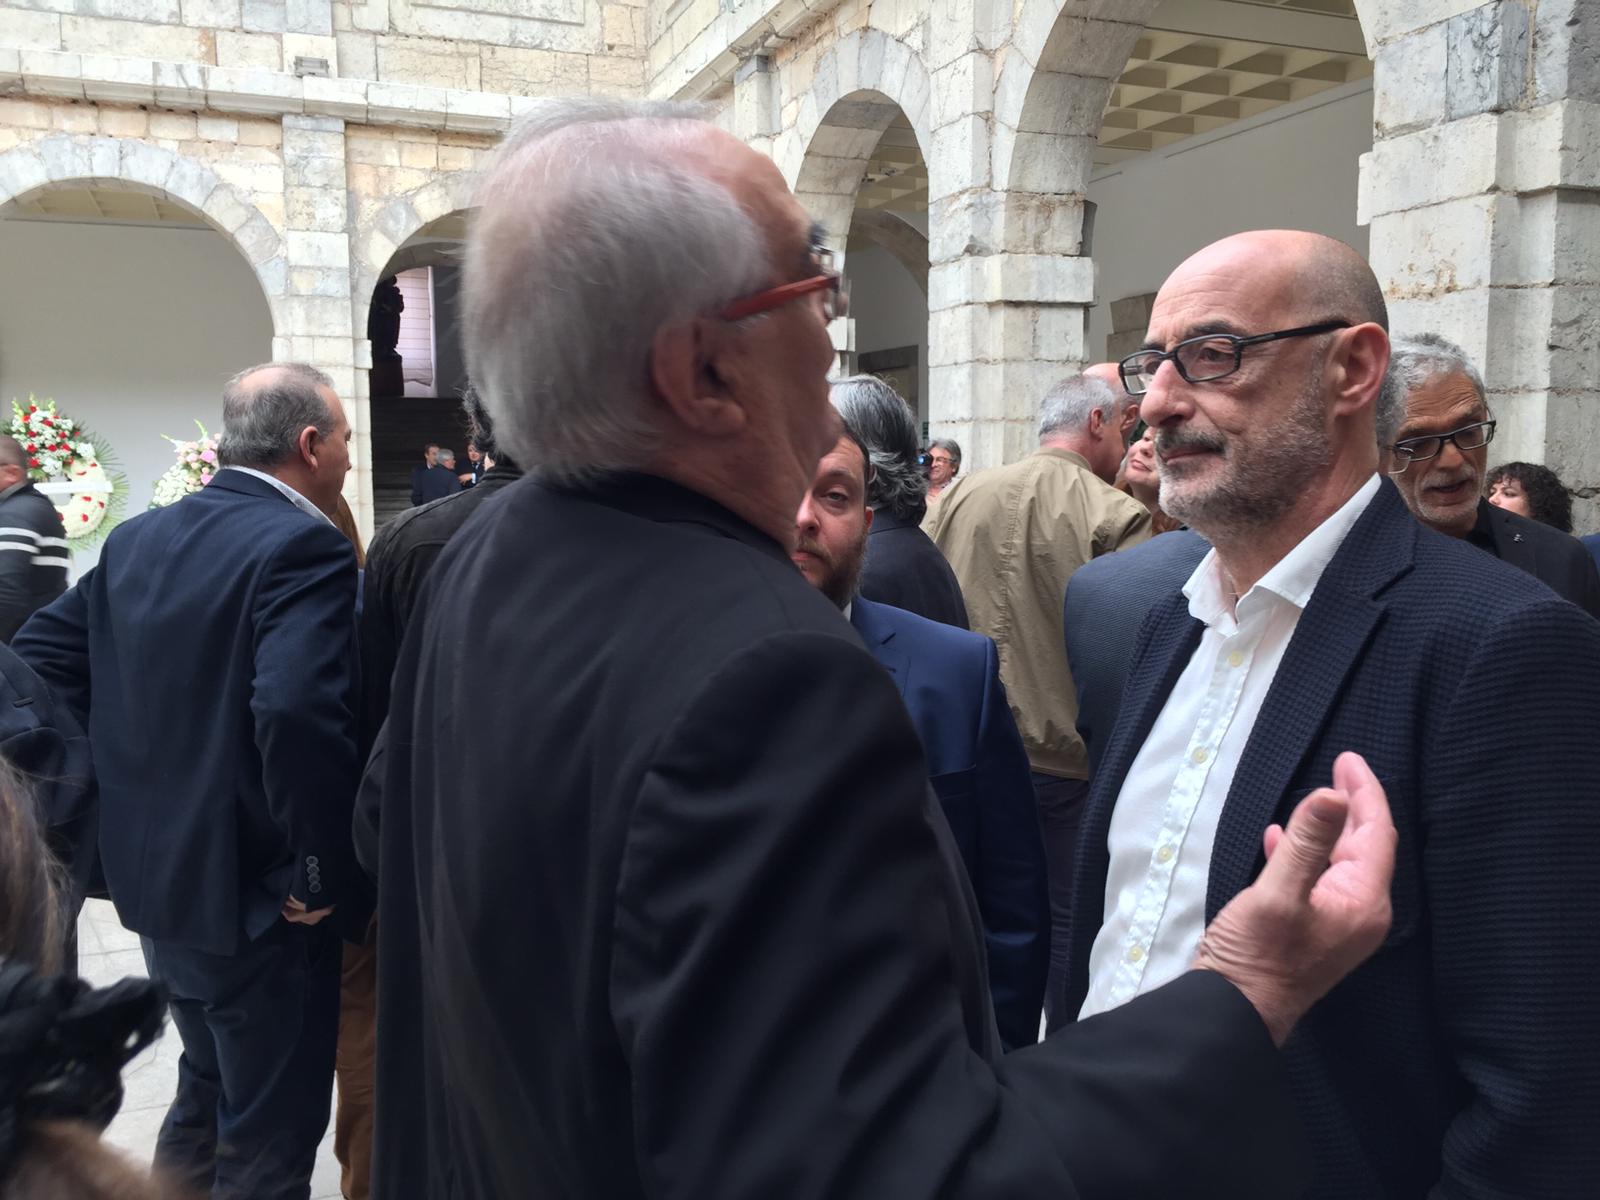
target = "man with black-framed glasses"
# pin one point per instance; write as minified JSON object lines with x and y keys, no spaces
{"x":1434,"y":431}
{"x":1463,"y":1060}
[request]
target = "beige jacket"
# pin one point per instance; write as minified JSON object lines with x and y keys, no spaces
{"x":1015,"y":534}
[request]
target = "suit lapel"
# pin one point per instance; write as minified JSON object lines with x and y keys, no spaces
{"x":1509,"y":544}
{"x":878,"y":634}
{"x":1327,"y":642}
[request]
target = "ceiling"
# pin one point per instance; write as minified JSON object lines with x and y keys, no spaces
{"x":1200,"y":65}
{"x":97,"y":205}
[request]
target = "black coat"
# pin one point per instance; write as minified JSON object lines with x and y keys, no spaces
{"x":1465,"y":1055}
{"x":432,"y":483}
{"x":33,"y":557}
{"x":398,"y":563}
{"x":905,"y":570}
{"x":211,"y":656}
{"x":667,"y":908}
{"x":1559,"y":560}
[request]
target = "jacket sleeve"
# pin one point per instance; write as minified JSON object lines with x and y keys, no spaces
{"x":1011,"y":887}
{"x":1510,"y":822}
{"x":785,"y":987}
{"x":302,"y":702}
{"x":19,"y":546}
{"x":55,"y":644}
{"x":1589,"y":587}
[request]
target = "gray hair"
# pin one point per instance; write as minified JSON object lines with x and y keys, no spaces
{"x":951,"y":447}
{"x":262,"y":421}
{"x":1067,"y":406}
{"x":880,"y":420}
{"x":1414,"y":360}
{"x":589,"y":239}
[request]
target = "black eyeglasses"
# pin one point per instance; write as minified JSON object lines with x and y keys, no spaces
{"x":1420,"y":449}
{"x":1207,"y":357}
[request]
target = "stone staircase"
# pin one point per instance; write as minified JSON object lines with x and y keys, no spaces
{"x":401,"y":427}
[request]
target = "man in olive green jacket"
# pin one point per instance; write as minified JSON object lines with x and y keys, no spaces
{"x":1014,"y":535}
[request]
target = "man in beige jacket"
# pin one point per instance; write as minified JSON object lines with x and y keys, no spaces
{"x":1014,"y":535}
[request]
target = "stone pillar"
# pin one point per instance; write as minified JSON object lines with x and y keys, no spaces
{"x":755,"y":103}
{"x":317,"y":326}
{"x":1482,"y":191}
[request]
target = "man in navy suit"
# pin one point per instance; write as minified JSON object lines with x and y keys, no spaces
{"x":1463,"y":1059}
{"x":949,"y":680}
{"x":210,"y":655}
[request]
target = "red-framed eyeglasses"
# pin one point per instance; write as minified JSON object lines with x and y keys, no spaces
{"x":835,"y":300}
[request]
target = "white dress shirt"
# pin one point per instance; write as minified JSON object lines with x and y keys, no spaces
{"x":1165,"y":821}
{"x":294,"y":497}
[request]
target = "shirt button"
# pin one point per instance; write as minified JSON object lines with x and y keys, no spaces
{"x":1201,"y":754}
{"x":1164,"y":854}
{"x":1236,"y":659}
{"x":1136,"y":954}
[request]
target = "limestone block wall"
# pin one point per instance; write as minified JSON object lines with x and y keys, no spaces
{"x":532,"y":48}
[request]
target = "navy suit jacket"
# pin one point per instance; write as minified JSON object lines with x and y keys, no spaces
{"x":210,"y":655}
{"x":906,"y":570}
{"x":1463,"y":1059}
{"x":1556,"y":559}
{"x":950,"y":682}
{"x":1108,"y":599}
{"x":1592,"y":545}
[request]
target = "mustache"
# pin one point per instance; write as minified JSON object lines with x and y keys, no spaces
{"x":814,"y":549}
{"x":1169,"y":440}
{"x":1440,"y":479}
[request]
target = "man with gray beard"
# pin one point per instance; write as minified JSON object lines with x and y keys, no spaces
{"x":1462,"y":1060}
{"x":1434,"y":430}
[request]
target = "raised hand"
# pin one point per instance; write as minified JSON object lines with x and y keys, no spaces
{"x":1320,"y":906}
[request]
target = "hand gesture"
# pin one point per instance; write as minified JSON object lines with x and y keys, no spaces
{"x":1320,"y":906}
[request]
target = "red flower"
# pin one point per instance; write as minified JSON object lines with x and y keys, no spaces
{"x":48,"y":421}
{"x":101,"y":503}
{"x":31,"y":448}
{"x":33,"y":462}
{"x":83,"y":516}
{"x":33,"y":408}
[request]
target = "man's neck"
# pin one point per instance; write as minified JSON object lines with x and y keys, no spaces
{"x":766,"y":507}
{"x":1248,"y":554}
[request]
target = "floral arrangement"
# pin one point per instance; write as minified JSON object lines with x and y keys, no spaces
{"x":196,"y":465}
{"x":64,"y":459}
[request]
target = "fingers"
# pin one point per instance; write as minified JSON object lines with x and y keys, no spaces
{"x":1354,"y":778}
{"x":1270,"y":839}
{"x":1300,"y":855}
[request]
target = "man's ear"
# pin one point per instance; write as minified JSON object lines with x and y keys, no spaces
{"x":869,"y":518}
{"x":307,"y":445}
{"x":1358,"y":368}
{"x":688,"y":364}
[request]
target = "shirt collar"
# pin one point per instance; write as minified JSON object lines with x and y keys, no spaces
{"x":289,"y":494}
{"x":1293,"y":577}
{"x":15,"y":488}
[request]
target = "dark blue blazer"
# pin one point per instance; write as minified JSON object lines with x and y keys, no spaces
{"x":1592,"y":545}
{"x":1465,"y":1055}
{"x":210,"y":655}
{"x":950,"y":682}
{"x":1108,"y":599}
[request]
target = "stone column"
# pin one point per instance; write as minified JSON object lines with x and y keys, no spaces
{"x":1482,"y":191}
{"x":318,"y":327}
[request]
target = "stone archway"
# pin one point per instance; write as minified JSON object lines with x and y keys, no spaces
{"x":118,"y":162}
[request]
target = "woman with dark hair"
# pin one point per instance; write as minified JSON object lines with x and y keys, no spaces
{"x":1531,"y":490}
{"x":63,"y":1044}
{"x":1139,"y":480}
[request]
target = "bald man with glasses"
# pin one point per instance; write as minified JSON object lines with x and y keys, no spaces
{"x":1464,"y":1059}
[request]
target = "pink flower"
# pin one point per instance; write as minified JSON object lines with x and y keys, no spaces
{"x":209,"y":456}
{"x":205,"y":477}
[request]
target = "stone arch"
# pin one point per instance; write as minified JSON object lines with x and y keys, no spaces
{"x":122,"y":162}
{"x":379,"y":239}
{"x":859,"y":86}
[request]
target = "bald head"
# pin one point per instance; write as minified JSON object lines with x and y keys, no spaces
{"x":1300,"y":275}
{"x":12,"y":453}
{"x":265,"y":409}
